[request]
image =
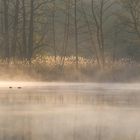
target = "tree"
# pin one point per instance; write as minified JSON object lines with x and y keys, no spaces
{"x":76,"y":32}
{"x":130,"y":20}
{"x":88,"y":24}
{"x":31,"y":31}
{"x":6,"y":29}
{"x":66,"y":31}
{"x":24,"y":38}
{"x":15,"y":28}
{"x":131,"y":15}
{"x":53,"y":29}
{"x":99,"y":9}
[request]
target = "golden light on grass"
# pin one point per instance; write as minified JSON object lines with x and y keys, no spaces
{"x":46,"y":68}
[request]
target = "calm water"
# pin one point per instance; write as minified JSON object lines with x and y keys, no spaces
{"x":69,"y":111}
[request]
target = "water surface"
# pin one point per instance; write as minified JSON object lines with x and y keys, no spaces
{"x":72,"y":111}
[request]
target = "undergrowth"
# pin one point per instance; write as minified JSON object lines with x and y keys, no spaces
{"x":48,"y":68}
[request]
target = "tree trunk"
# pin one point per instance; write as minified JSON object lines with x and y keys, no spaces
{"x":15,"y":30}
{"x":24,"y":39}
{"x":53,"y":24}
{"x":6,"y":30}
{"x":31,"y":31}
{"x":76,"y":33}
{"x":66,"y":32}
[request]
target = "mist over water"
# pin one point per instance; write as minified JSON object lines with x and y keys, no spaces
{"x":72,"y":111}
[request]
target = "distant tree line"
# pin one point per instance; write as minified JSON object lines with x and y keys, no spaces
{"x":98,"y":29}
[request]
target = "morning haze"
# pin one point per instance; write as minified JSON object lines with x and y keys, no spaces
{"x":69,"y":69}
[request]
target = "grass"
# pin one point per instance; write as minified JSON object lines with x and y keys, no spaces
{"x":48,"y":69}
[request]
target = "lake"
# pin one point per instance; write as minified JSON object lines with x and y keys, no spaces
{"x":69,"y":111}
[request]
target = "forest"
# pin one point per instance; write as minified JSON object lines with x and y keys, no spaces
{"x":70,"y":40}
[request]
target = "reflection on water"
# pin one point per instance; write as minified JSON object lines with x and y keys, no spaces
{"x":51,"y":111}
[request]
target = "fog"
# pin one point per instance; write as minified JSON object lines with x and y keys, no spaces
{"x":72,"y":111}
{"x":76,"y":41}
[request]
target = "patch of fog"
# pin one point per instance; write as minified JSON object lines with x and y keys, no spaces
{"x":41,"y":111}
{"x":63,"y":85}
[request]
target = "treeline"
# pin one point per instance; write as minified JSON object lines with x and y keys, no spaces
{"x":98,"y":29}
{"x":19,"y":27}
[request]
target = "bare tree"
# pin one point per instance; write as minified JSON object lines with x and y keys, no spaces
{"x":131,"y":15}
{"x":24,"y":38}
{"x":53,"y":29}
{"x":66,"y":31}
{"x":31,"y":31}
{"x":99,"y":8}
{"x":15,"y":28}
{"x":88,"y":24}
{"x":76,"y":32}
{"x":6,"y":29}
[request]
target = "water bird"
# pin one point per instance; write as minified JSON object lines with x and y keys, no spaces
{"x":19,"y":87}
{"x":10,"y":87}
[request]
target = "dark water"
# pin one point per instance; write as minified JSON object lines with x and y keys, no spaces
{"x":69,"y":111}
